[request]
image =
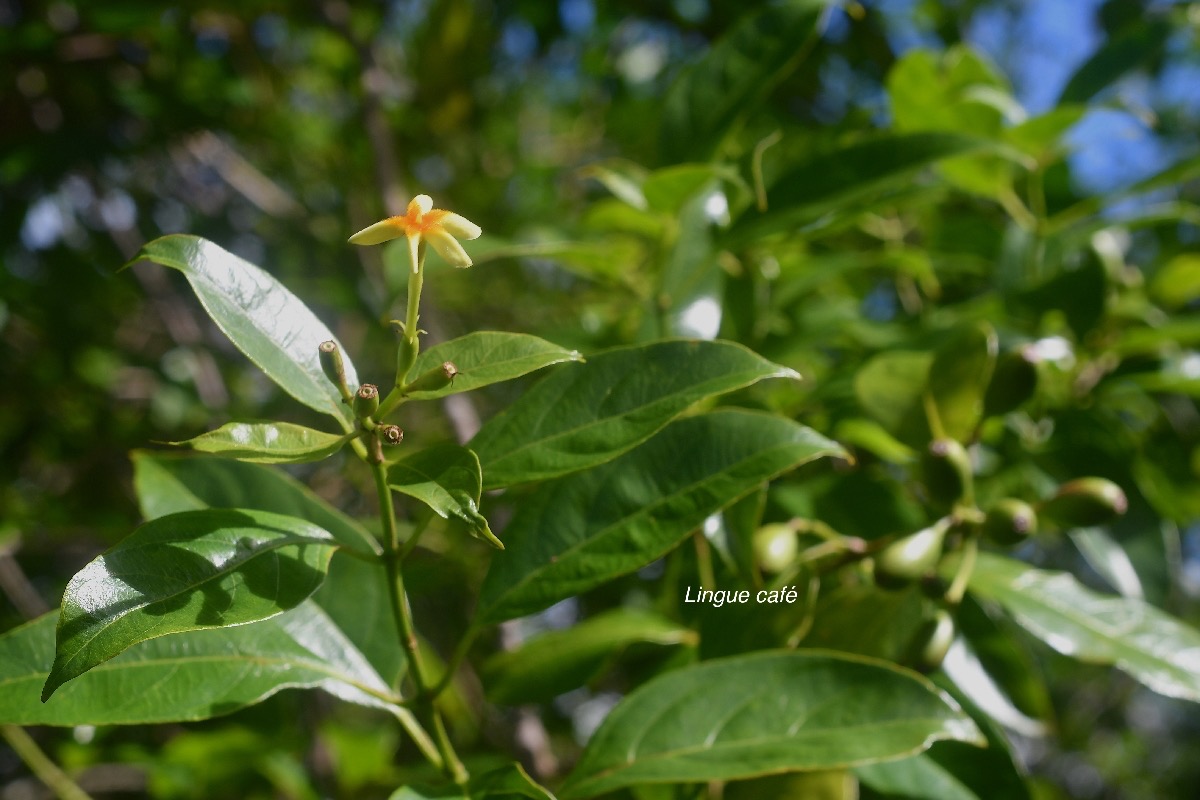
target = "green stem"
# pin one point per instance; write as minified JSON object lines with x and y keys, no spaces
{"x":416,"y":281}
{"x":451,"y":764}
{"x":958,"y":587}
{"x":40,"y":764}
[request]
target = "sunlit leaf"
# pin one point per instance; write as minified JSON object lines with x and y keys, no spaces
{"x":268,"y":442}
{"x":259,"y":315}
{"x":183,"y":572}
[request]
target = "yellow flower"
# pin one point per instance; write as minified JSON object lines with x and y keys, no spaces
{"x":424,"y":222}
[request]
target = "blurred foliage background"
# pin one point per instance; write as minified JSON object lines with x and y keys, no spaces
{"x":277,"y":129}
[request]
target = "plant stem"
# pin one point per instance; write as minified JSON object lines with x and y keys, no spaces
{"x":958,"y":586}
{"x":40,"y":764}
{"x":416,"y":281}
{"x":424,"y":705}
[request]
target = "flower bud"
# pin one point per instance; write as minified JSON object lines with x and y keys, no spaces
{"x":906,"y":560}
{"x":1084,"y":502}
{"x":391,"y":434}
{"x":1010,"y":521}
{"x":436,"y":378}
{"x":946,"y":471}
{"x":1014,"y":380}
{"x":333,"y":367}
{"x":366,"y":400}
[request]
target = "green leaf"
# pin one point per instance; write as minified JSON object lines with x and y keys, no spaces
{"x":488,"y":357}
{"x":584,"y":530}
{"x":188,"y":676}
{"x":268,"y":442}
{"x":955,"y":92}
{"x":586,"y":414}
{"x":1129,"y":49}
{"x":259,"y":315}
{"x":890,"y":387}
{"x":837,"y":180}
{"x":764,"y":713}
{"x":354,"y":593}
{"x":446,"y":478}
{"x":559,"y":661}
{"x":507,"y":783}
{"x":186,"y":571}
{"x":1110,"y":561}
{"x":715,"y":95}
{"x":1177,"y":282}
{"x":958,"y":378}
{"x":1152,"y":646}
{"x":915,"y":778}
{"x":690,"y":293}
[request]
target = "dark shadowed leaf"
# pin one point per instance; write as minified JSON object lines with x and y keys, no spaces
{"x":559,"y":661}
{"x":1132,"y":47}
{"x":709,"y":99}
{"x":958,"y":378}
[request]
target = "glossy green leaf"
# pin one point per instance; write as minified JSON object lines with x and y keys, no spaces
{"x":558,"y":661}
{"x":166,"y":483}
{"x":586,"y":529}
{"x":187,"y":676}
{"x":949,"y":771}
{"x":669,"y":188}
{"x":488,"y":357}
{"x":1127,"y":50}
{"x":839,"y":179}
{"x":446,"y":478}
{"x":268,"y":442}
{"x":586,"y":414}
{"x":958,"y":378}
{"x":915,"y":778}
{"x":1152,"y":646}
{"x":1110,"y":561}
{"x":187,"y":571}
{"x":714,"y":95}
{"x":354,"y":593}
{"x":259,"y":315}
{"x":764,"y":713}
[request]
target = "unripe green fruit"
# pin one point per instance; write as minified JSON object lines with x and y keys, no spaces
{"x":1084,"y":502}
{"x":946,"y":472}
{"x":1010,"y":521}
{"x":906,"y":560}
{"x":1014,"y":380}
{"x":933,"y":641}
{"x":437,"y":378}
{"x":775,"y":547}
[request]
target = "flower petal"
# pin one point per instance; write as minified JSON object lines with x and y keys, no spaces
{"x":460,"y":227}
{"x":448,"y":247}
{"x":423,"y":203}
{"x":382,"y":231}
